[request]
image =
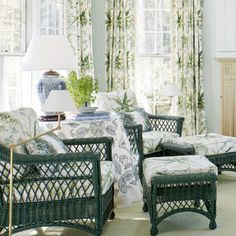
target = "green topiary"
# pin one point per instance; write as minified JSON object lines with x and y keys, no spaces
{"x":82,"y":89}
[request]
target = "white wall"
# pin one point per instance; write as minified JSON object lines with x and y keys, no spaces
{"x":211,"y":67}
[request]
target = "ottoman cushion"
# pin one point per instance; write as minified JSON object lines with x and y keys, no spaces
{"x":206,"y":144}
{"x":176,"y":165}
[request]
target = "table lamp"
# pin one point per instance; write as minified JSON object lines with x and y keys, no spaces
{"x":49,"y":53}
{"x":171,"y":90}
{"x":58,"y":101}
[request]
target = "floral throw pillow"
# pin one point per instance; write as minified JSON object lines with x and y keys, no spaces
{"x":47,"y":144}
{"x":136,"y":117}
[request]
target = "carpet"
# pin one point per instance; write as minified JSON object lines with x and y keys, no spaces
{"x":132,"y":221}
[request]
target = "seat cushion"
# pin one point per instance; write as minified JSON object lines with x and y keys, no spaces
{"x":207,"y":144}
{"x":152,"y":139}
{"x":176,"y":165}
{"x":64,"y":189}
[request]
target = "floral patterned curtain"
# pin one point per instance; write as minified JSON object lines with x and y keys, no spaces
{"x":120,"y":43}
{"x":187,"y":58}
{"x":79,"y":30}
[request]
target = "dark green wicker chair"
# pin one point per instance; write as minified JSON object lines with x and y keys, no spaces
{"x":134,"y":133}
{"x":173,"y":124}
{"x":77,"y":200}
{"x":125,"y":100}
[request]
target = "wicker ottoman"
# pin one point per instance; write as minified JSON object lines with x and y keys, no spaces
{"x":179,"y":184}
{"x":219,"y":149}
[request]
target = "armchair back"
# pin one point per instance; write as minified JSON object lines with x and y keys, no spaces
{"x":122,"y":100}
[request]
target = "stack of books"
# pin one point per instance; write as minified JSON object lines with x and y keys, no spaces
{"x":99,"y":115}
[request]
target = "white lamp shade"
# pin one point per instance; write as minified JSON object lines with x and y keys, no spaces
{"x":171,"y":90}
{"x":49,"y":52}
{"x":59,"y":101}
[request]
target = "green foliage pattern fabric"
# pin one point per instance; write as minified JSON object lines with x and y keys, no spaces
{"x":187,"y":57}
{"x":79,"y":32}
{"x":120,"y":43}
{"x":136,"y":117}
{"x":206,"y":144}
{"x":176,"y":165}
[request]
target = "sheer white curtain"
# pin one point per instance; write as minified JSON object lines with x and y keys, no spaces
{"x":4,"y":99}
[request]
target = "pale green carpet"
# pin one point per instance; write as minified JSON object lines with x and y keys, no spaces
{"x":132,"y":221}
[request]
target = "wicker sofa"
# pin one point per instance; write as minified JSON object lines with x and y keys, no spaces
{"x":161,"y":126}
{"x":73,"y":189}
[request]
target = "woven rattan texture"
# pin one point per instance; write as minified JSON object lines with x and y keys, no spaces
{"x":173,"y":194}
{"x":57,"y":190}
{"x":167,"y":123}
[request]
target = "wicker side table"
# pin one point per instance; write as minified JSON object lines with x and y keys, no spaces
{"x":170,"y":194}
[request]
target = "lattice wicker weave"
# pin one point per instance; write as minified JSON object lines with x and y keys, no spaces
{"x":134,"y":133}
{"x":73,"y":179}
{"x":173,"y":194}
{"x":224,"y":161}
{"x":167,"y":123}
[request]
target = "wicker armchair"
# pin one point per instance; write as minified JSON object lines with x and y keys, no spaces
{"x":72,"y":189}
{"x":71,"y":197}
{"x":161,"y":126}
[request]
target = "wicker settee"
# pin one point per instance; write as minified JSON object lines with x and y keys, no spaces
{"x":73,"y":189}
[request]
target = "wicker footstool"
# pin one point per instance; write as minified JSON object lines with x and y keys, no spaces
{"x":179,"y":184}
{"x":219,"y":149}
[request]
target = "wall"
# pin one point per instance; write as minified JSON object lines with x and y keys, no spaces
{"x":98,"y":22}
{"x":211,"y":68}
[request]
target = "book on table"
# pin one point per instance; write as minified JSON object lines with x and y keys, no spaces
{"x":99,"y":115}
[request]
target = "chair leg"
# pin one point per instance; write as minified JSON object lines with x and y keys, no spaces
{"x":112,"y":215}
{"x":154,"y":230}
{"x":145,"y":207}
{"x":212,"y":224}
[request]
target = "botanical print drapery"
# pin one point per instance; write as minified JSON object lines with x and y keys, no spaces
{"x":120,"y":43}
{"x":187,"y":56}
{"x":79,"y":31}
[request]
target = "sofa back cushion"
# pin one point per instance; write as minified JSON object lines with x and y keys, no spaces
{"x":123,"y":100}
{"x":28,"y":118}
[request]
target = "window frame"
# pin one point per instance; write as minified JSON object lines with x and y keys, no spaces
{"x":25,"y":35}
{"x":141,"y":10}
{"x":31,"y":19}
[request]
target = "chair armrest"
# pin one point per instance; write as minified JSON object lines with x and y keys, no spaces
{"x":72,"y":175}
{"x":167,"y":123}
{"x":135,"y":136}
{"x":101,"y":145}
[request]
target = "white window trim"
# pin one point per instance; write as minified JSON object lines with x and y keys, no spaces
{"x":162,"y":55}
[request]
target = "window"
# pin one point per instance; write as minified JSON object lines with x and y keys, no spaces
{"x":14,"y":15}
{"x":155,"y":27}
{"x":154,"y":53}
{"x":12,"y":26}
{"x":52,"y":17}
{"x":12,"y":48}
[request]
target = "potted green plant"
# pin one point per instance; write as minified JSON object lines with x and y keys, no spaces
{"x":82,"y":88}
